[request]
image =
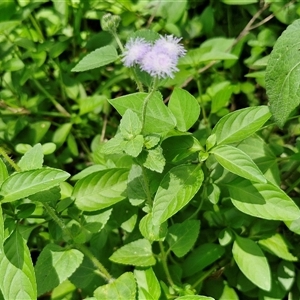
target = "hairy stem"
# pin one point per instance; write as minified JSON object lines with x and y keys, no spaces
{"x":86,"y":251}
{"x":9,"y":160}
{"x":164,"y":257}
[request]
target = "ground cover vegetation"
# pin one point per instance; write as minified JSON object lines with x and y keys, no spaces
{"x":149,"y":149}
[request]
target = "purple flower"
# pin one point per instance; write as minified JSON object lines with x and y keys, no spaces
{"x":159,"y":59}
{"x":170,"y":45}
{"x":135,"y":49}
{"x":158,"y":63}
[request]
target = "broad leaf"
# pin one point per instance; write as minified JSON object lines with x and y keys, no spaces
{"x":262,"y":200}
{"x":98,"y":58}
{"x":277,"y":246}
{"x":240,"y":124}
{"x":282,"y":74}
{"x":202,"y":257}
{"x":182,"y":237}
{"x":137,"y":253}
{"x":17,"y":277}
{"x":32,"y":159}
{"x":101,"y":189}
{"x":238,"y":162}
{"x":148,"y":285}
{"x":194,"y":297}
{"x":252,"y":262}
{"x":158,"y":117}
{"x":130,"y":125}
{"x":122,"y":288}
{"x":1,"y":230}
{"x":152,"y":232}
{"x":23,"y":184}
{"x":185,"y":108}
{"x":176,"y":189}
{"x":54,"y":265}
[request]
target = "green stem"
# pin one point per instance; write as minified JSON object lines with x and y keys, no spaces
{"x":204,"y":276}
{"x":9,"y":160}
{"x":55,"y":103}
{"x":37,"y":27}
{"x":86,"y":251}
{"x":148,"y":97}
{"x":164,"y":264}
{"x":146,"y":187}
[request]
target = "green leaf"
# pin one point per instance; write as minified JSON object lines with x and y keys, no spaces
{"x":152,"y":232}
{"x":137,"y":253}
{"x":153,"y":159}
{"x":136,"y":189}
{"x":32,"y":159}
{"x":238,"y":162}
{"x":134,"y":146}
{"x":240,"y":124}
{"x":277,"y":246}
{"x":3,"y":171}
{"x":93,"y":103}
{"x":148,"y":285}
{"x":252,"y":262}
{"x":286,"y":274}
{"x":130,"y":125}
{"x":282,"y":75}
{"x":122,"y":288}
{"x":158,"y":117}
{"x":185,"y":108}
{"x":176,"y":189}
{"x":23,"y":184}
{"x":61,"y":134}
{"x":101,"y":189}
{"x":115,"y":145}
{"x":239,"y":2}
{"x":98,"y":58}
{"x":194,"y":297}
{"x":177,"y":148}
{"x":1,"y":231}
{"x":182,"y":237}
{"x":54,"y":265}
{"x":262,"y":200}
{"x":202,"y":257}
{"x":17,"y":278}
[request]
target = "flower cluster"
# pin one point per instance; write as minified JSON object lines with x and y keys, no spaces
{"x":158,"y":59}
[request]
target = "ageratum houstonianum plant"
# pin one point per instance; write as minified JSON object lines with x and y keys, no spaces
{"x":168,"y":210}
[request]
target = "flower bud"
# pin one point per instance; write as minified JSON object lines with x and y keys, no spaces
{"x":110,"y":22}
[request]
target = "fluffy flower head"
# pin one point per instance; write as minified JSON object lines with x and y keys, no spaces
{"x":158,"y":59}
{"x":170,"y":45}
{"x":135,"y":49}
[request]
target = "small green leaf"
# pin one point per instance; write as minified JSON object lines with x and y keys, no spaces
{"x":18,"y":280}
{"x":282,"y":74}
{"x":182,"y":237}
{"x":101,"y":189}
{"x":151,"y":140}
{"x":240,"y":124}
{"x":134,"y":146}
{"x":252,"y":262}
{"x":185,"y":108}
{"x":122,"y":288}
{"x":158,"y":117}
{"x":238,"y":162}
{"x":286,"y":274}
{"x":54,"y":265}
{"x":277,"y":246}
{"x":202,"y":257}
{"x":61,"y":134}
{"x":32,"y":159}
{"x":153,"y":159}
{"x":239,"y":2}
{"x":114,"y":145}
{"x":23,"y":184}
{"x":137,"y":253}
{"x":152,"y":232}
{"x":176,"y":189}
{"x":148,"y":285}
{"x":130,"y":125}
{"x":262,"y":200}
{"x":194,"y":297}
{"x":98,"y":58}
